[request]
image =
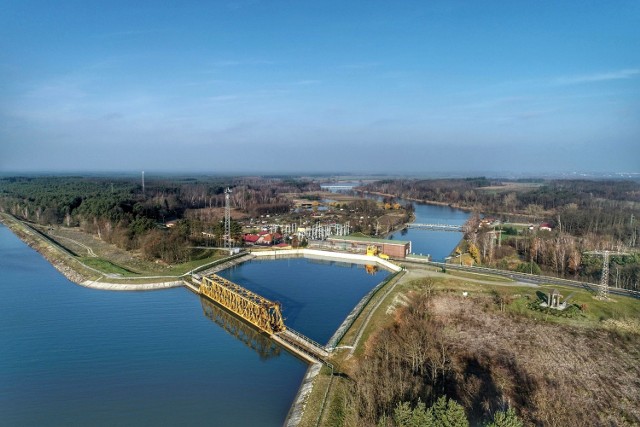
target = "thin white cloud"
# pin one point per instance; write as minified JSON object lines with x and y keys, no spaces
{"x":598,"y":77}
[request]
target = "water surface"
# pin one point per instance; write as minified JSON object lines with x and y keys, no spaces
{"x":316,"y":295}
{"x":76,"y":356}
{"x":438,"y":244}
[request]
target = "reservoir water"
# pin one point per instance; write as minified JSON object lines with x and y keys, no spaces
{"x":316,"y":295}
{"x":71,"y":355}
{"x":76,"y":356}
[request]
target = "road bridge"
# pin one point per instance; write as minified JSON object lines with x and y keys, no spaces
{"x":337,"y":187}
{"x":435,"y":227}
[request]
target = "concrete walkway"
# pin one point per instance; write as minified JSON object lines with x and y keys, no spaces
{"x":97,"y":284}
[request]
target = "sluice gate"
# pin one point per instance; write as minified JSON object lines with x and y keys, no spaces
{"x":260,"y":312}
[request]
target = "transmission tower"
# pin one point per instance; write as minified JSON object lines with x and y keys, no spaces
{"x":227,"y":218}
{"x":603,"y":289}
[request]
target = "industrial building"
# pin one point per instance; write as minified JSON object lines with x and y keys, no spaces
{"x":393,"y":248}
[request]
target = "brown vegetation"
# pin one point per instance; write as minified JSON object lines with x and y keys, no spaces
{"x":473,"y":351}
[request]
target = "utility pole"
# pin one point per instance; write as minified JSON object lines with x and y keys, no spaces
{"x":227,"y":218}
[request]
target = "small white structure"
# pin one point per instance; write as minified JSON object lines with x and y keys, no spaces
{"x":553,"y":301}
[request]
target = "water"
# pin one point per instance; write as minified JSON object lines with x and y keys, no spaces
{"x":316,"y":296}
{"x":71,"y":355}
{"x":76,"y":356}
{"x":438,"y":244}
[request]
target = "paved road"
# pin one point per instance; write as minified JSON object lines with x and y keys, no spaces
{"x":528,"y":278}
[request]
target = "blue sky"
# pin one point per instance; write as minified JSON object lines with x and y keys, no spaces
{"x":360,"y":86}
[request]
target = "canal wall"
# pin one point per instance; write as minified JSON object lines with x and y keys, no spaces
{"x":96,"y":284}
{"x":311,"y":253}
{"x":297,"y":409}
{"x":348,"y":321}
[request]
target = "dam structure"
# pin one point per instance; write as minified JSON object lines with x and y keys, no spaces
{"x":266,"y":315}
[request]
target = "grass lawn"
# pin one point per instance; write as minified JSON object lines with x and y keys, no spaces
{"x":204,"y":257}
{"x":587,"y":309}
{"x":107,"y":266}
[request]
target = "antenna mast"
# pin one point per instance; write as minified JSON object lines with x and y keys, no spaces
{"x":227,"y":218}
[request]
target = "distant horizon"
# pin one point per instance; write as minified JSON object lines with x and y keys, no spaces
{"x":150,"y":175}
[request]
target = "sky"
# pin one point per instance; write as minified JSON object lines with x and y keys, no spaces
{"x":415,"y":87}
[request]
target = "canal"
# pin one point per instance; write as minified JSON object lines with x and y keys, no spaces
{"x":438,"y":244}
{"x":71,"y":355}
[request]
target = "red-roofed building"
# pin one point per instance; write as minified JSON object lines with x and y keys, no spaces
{"x":251,"y":239}
{"x":545,"y":226}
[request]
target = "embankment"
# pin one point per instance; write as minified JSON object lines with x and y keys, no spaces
{"x":70,"y":267}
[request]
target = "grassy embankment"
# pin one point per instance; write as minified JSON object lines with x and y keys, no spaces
{"x":81,"y":256}
{"x":510,"y":317}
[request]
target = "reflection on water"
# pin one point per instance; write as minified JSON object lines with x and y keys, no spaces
{"x":240,"y":330}
{"x":316,"y":294}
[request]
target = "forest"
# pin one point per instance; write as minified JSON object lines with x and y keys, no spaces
{"x":122,"y":212}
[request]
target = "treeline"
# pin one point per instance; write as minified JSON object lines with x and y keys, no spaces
{"x":579,"y":207}
{"x":120,"y":211}
{"x":552,"y":253}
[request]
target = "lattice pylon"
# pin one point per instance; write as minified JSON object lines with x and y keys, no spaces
{"x":603,"y":292}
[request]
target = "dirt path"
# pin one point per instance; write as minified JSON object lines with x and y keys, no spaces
{"x":89,"y":250}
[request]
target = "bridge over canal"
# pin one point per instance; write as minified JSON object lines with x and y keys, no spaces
{"x":260,"y":312}
{"x":436,"y":227}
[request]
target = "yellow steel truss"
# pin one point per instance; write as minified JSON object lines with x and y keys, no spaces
{"x":252,"y":337}
{"x":253,"y":308}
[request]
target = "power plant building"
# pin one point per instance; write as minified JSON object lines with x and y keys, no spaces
{"x":393,"y":248}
